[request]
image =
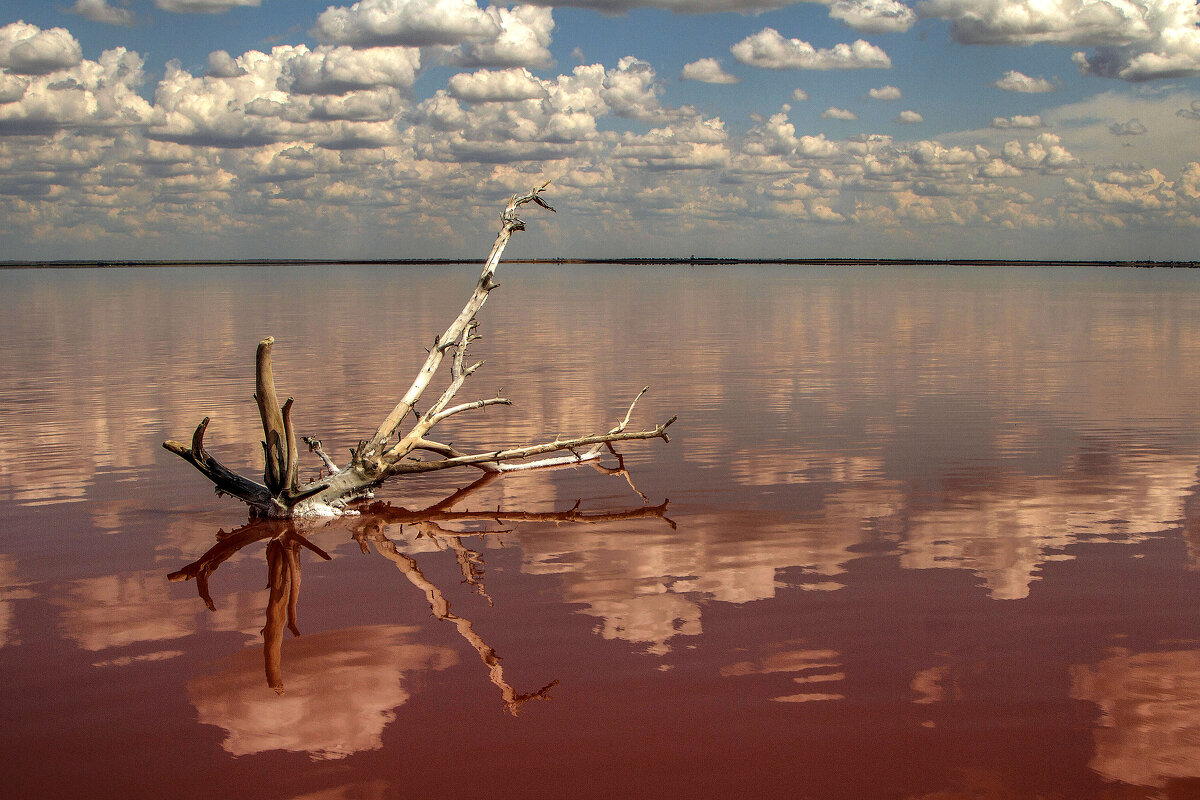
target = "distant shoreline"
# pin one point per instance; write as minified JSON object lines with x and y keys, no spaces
{"x":650,"y":262}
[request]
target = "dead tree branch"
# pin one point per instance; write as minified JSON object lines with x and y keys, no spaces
{"x":283,"y":495}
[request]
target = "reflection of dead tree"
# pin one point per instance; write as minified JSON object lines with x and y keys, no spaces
{"x":283,"y":581}
{"x":513,"y":700}
{"x":282,"y":493}
{"x":283,"y":567}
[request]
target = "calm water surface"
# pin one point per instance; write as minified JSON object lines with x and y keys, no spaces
{"x":931,"y":533}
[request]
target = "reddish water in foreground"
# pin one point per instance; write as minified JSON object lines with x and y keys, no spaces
{"x":931,"y":534}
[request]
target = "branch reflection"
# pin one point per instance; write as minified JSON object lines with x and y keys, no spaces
{"x":285,"y":542}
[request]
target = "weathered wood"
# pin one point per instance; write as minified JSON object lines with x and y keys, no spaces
{"x":283,"y":495}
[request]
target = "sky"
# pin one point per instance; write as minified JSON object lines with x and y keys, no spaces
{"x":162,"y":129}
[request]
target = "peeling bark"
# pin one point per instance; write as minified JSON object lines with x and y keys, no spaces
{"x":283,"y":495}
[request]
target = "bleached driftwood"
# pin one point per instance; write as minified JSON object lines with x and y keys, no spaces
{"x":283,"y":494}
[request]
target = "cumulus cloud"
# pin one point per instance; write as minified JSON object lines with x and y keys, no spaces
{"x":700,"y":145}
{"x":334,"y":96}
{"x":633,"y":90}
{"x":338,"y":70}
{"x":102,"y":11}
{"x":223,"y":65}
{"x":833,"y":112}
{"x":776,"y":136}
{"x":1021,"y":22}
{"x":1119,"y":195}
{"x":1018,"y":121}
{"x":678,"y":6}
{"x":12,"y":88}
{"x":799,"y":95}
{"x":414,"y":23}
{"x":246,"y":110}
{"x":707,"y":70}
{"x":1135,"y":40}
{"x":873,"y":16}
{"x":327,"y":135}
{"x":562,"y":121}
{"x":767,"y":49}
{"x":1132,"y":127}
{"x":1013,"y":81}
{"x":202,"y":6}
{"x":521,"y":38}
{"x":486,"y":86}
{"x":93,"y":94}
{"x":28,"y":50}
{"x":1045,"y":152}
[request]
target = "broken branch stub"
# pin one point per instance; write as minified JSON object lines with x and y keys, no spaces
{"x":283,"y":494}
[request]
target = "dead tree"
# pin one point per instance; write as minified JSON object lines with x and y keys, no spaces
{"x":389,"y":452}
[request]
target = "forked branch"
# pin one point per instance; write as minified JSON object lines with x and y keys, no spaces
{"x":282,"y":494}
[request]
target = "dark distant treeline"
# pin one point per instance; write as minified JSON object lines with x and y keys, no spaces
{"x":649,"y":262}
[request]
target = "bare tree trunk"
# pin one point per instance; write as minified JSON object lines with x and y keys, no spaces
{"x":283,"y":495}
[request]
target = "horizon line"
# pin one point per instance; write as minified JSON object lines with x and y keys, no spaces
{"x":633,"y":261}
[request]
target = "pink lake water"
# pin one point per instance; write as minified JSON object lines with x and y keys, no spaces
{"x":931,"y":533}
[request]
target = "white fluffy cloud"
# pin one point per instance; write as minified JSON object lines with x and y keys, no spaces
{"x":12,"y":87}
{"x":833,"y":112}
{"x":496,"y":86}
{"x":335,"y":96}
{"x":1019,"y":22}
{"x":76,"y":93}
{"x":768,"y":49}
{"x":202,"y":6}
{"x":102,"y":11}
{"x":632,"y":90}
{"x":338,"y":70}
{"x":558,"y":119}
{"x":874,"y":180}
{"x":707,"y":70}
{"x":28,"y":50}
{"x":223,"y":65}
{"x":321,"y":140}
{"x":1018,"y":121}
{"x":873,"y":16}
{"x":521,"y":38}
{"x":700,"y":145}
{"x":246,"y":110}
{"x":1135,"y":40}
{"x":413,"y":23}
{"x":1046,"y":152}
{"x":1013,"y":81}
{"x":1121,"y":196}
{"x":678,"y":6}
